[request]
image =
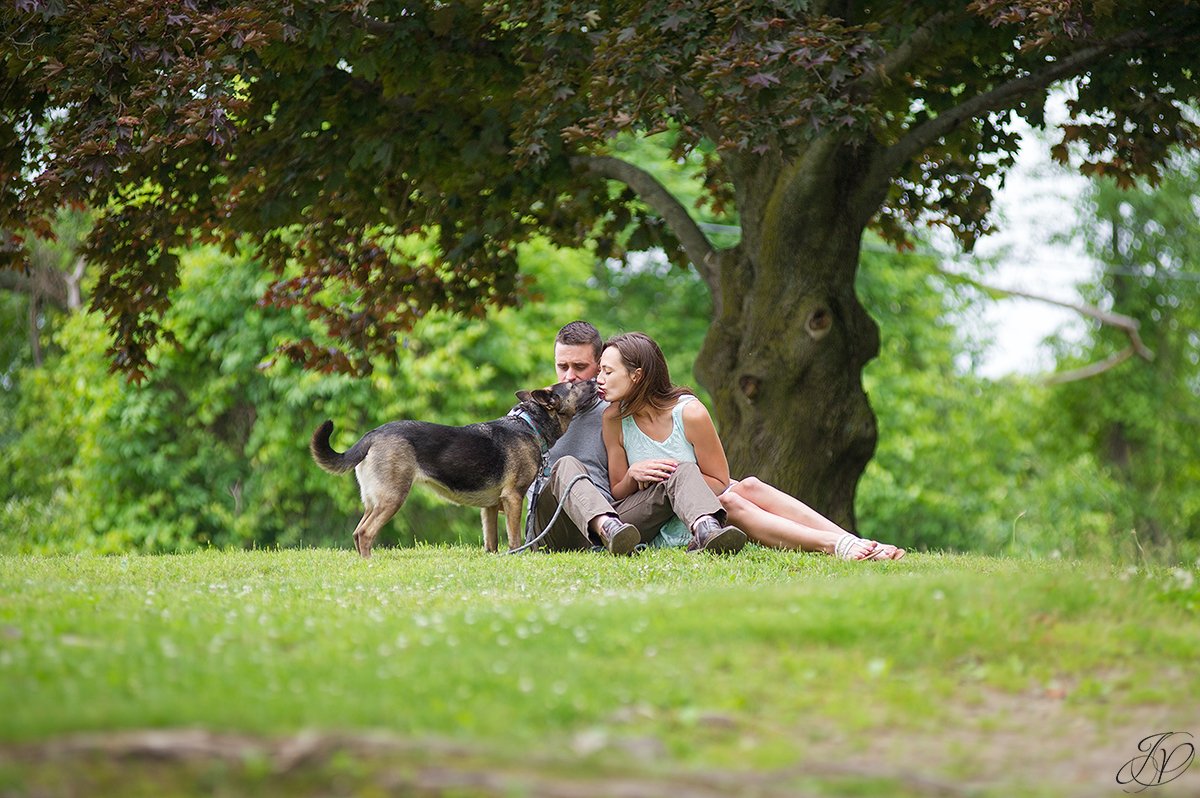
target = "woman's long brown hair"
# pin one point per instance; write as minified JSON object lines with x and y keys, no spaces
{"x":654,"y":389}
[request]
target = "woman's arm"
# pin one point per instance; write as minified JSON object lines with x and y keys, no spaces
{"x":618,"y":460}
{"x":710,"y":454}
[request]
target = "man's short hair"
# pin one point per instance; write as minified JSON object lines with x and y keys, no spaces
{"x":581,"y":333}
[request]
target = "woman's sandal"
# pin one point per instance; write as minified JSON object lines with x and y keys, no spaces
{"x":849,"y":544}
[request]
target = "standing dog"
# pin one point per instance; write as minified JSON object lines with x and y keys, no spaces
{"x":488,"y":465}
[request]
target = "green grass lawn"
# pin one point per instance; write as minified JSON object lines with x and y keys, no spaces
{"x":952,"y":674}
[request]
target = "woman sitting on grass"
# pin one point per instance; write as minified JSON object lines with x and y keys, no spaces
{"x":662,"y":425}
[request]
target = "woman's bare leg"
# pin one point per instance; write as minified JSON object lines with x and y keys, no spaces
{"x":776,"y":502}
{"x":803,"y":528}
{"x":776,"y":531}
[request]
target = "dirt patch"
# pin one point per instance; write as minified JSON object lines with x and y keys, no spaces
{"x":997,"y":744}
{"x":195,"y":762}
{"x":1033,"y":743}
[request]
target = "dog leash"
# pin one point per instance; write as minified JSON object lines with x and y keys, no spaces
{"x":557,"y":512}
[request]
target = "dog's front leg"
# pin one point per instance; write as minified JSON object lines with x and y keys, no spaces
{"x":491,"y":534}
{"x":512,"y":518}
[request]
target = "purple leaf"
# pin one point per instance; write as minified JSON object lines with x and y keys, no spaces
{"x":673,"y":22}
{"x":762,"y":80}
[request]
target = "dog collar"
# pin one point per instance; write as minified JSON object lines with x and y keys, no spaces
{"x":521,"y":414}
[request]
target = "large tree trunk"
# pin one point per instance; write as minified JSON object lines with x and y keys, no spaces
{"x":784,"y":357}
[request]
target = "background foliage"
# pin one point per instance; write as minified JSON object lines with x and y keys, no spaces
{"x":1141,"y":423}
{"x":212,"y":449}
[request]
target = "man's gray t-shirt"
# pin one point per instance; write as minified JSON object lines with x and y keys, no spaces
{"x":585,"y":442}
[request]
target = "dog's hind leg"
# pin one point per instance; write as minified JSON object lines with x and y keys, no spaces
{"x":491,"y":534}
{"x":382,"y":494}
{"x":512,"y":517}
{"x":371,"y":523}
{"x":363,"y":524}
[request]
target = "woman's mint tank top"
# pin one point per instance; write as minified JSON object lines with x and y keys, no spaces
{"x":640,"y":446}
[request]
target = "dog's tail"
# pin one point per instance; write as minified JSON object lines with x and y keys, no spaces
{"x":335,"y":462}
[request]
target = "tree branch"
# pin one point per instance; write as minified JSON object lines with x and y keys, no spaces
{"x":900,"y":58}
{"x":48,"y":283}
{"x":376,"y":26}
{"x":922,"y":136}
{"x":35,"y":335}
{"x":1092,"y":370}
{"x":695,"y":243}
{"x":74,"y":285}
{"x":693,"y":103}
{"x":1126,"y":324}
{"x":44,"y":285}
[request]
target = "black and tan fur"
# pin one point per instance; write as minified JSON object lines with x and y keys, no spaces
{"x":488,"y":465}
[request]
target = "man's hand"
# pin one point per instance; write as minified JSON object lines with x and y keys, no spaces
{"x":647,"y":472}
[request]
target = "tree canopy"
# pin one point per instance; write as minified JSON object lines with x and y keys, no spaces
{"x":324,"y":136}
{"x":321,"y":132}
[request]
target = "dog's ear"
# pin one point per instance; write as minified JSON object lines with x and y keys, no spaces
{"x":524,"y":396}
{"x":544,"y":397}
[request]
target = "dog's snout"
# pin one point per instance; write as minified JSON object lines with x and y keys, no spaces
{"x":575,"y":395}
{"x":586,"y":390}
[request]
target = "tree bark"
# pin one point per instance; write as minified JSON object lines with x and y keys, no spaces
{"x":784,"y":356}
{"x":35,"y":335}
{"x":783,"y":359}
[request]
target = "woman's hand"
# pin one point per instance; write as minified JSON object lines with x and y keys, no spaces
{"x":647,"y":472}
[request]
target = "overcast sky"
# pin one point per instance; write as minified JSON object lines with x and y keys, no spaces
{"x":1037,"y":203}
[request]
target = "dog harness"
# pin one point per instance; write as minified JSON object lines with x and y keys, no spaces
{"x":517,"y":412}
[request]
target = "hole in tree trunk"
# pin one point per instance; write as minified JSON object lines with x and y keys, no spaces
{"x":819,"y":323}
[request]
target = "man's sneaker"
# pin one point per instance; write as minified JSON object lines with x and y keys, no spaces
{"x":709,"y":535}
{"x":618,"y":536}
